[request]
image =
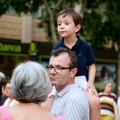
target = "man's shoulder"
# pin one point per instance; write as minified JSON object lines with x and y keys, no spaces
{"x":77,"y":96}
{"x":76,"y":93}
{"x":72,"y":90}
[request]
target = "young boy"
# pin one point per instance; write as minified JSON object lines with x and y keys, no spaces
{"x":69,"y":24}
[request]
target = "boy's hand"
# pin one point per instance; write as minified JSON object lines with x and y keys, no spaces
{"x":92,"y":88}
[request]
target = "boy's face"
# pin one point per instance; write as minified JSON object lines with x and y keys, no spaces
{"x":66,"y":26}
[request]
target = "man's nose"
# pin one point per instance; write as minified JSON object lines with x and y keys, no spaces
{"x":52,"y":70}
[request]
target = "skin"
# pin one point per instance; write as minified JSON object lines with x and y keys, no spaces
{"x":8,"y":92}
{"x":38,"y":113}
{"x":66,"y":77}
{"x":59,"y":80}
{"x":108,"y":89}
{"x":90,"y":85}
{"x":68,"y":30}
{"x":7,"y":89}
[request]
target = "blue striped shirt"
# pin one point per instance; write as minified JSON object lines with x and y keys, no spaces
{"x":71,"y":103}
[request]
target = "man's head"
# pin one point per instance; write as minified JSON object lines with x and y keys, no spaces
{"x":72,"y":14}
{"x":62,"y":67}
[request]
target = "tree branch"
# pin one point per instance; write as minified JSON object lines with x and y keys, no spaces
{"x":58,"y":4}
{"x":47,"y":6}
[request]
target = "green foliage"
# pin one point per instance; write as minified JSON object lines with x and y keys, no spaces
{"x":19,"y":6}
{"x":101,"y":22}
{"x":4,"y":5}
{"x":101,"y":19}
{"x":25,"y":5}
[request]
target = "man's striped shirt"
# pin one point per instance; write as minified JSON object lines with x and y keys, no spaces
{"x":71,"y":103}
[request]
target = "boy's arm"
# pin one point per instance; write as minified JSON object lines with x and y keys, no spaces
{"x":91,"y":78}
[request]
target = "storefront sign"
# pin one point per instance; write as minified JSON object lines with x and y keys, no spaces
{"x":33,"y":49}
{"x":10,"y":48}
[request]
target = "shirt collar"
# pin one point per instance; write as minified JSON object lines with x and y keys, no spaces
{"x":66,"y":89}
{"x":78,"y":42}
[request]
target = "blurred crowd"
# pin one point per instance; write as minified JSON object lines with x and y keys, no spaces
{"x":5,"y":91}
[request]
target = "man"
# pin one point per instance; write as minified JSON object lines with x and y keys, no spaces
{"x":70,"y":102}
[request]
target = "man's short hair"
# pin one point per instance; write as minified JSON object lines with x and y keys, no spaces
{"x":73,"y":58}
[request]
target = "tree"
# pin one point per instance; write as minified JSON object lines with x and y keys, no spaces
{"x":49,"y":17}
{"x":101,"y":25}
{"x":101,"y":19}
{"x":4,"y":5}
{"x":49,"y":10}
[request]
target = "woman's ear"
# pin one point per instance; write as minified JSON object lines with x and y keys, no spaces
{"x":77,"y":28}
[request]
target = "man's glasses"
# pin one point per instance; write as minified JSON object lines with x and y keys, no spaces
{"x":57,"y":69}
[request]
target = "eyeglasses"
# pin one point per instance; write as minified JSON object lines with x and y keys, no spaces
{"x":7,"y":88}
{"x":57,"y":69}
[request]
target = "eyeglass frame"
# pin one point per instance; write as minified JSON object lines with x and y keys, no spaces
{"x":7,"y":88}
{"x":60,"y":68}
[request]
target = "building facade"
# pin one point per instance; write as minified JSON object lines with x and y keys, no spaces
{"x":21,"y":39}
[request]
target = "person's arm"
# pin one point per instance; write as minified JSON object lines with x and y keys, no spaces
{"x":91,"y":78}
{"x":116,"y":108}
{"x":116,"y":113}
{"x":48,"y":103}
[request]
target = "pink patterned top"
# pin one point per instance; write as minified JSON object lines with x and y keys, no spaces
{"x":7,"y":115}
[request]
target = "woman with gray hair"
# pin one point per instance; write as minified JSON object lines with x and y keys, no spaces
{"x":30,"y":86}
{"x":108,"y":102}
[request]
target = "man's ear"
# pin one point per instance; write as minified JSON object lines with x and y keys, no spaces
{"x":73,"y":72}
{"x":77,"y":28}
